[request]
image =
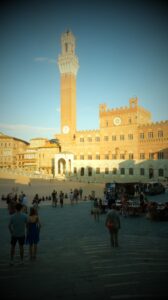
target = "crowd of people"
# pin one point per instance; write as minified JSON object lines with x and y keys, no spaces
{"x":130,"y":205}
{"x":24,"y":224}
{"x":74,"y":195}
{"x":126,"y":204}
{"x":54,"y":198}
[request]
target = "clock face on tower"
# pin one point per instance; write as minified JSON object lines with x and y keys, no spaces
{"x":65,"y":129}
{"x":117,"y":121}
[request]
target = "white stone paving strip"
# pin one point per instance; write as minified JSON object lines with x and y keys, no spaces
{"x":109,"y":285}
{"x":119,"y":274}
{"x":136,"y":296}
{"x":132,"y":264}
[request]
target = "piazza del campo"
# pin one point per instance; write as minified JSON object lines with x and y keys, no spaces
{"x":75,"y":259}
{"x":128,"y":146}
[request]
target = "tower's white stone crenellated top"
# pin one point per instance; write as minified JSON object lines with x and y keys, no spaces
{"x":67,"y":60}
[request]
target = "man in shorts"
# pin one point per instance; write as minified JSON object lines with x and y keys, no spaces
{"x":17,"y":227}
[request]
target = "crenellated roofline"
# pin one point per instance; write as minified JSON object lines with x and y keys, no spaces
{"x":161,"y":123}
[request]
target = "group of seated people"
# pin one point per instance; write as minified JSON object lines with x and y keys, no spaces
{"x":13,"y":198}
{"x":139,"y":204}
{"x":157,"y":211}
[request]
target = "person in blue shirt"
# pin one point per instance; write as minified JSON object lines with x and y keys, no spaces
{"x":17,"y":227}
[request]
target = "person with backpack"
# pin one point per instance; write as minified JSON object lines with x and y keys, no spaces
{"x":113,"y":225}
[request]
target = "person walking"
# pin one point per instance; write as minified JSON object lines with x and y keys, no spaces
{"x":24,"y":203}
{"x":36,"y":201}
{"x":17,"y":228}
{"x":33,"y":232}
{"x":54,"y":198}
{"x":61,"y":197}
{"x":80,"y":193}
{"x":71,"y":197}
{"x":96,"y":209}
{"x":113,"y":224}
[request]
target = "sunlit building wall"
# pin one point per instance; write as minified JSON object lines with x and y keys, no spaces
{"x":127,"y":145}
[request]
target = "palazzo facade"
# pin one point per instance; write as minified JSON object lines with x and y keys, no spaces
{"x":127,"y":144}
{"x":10,"y":148}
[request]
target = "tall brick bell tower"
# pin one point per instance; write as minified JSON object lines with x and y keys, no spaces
{"x":68,"y":67}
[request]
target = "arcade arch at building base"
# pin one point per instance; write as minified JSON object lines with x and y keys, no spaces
{"x":116,"y":170}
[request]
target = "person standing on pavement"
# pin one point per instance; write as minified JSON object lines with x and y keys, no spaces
{"x":71,"y":197}
{"x":54,"y":198}
{"x":96,"y":209}
{"x":17,"y":228}
{"x":61,"y":197}
{"x":113,"y":224}
{"x":80,"y":193}
{"x":33,"y":232}
{"x":24,"y":203}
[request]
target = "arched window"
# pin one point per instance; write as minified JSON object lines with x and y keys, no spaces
{"x":142,"y":171}
{"x":66,"y":47}
{"x":131,"y":171}
{"x":106,"y":171}
{"x":82,"y":171}
{"x":114,"y":171}
{"x":89,"y":171}
{"x":151,"y":173}
{"x":97,"y":170}
{"x":161,"y":173}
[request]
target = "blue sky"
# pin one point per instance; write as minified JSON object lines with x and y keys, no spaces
{"x":122,"y":48}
